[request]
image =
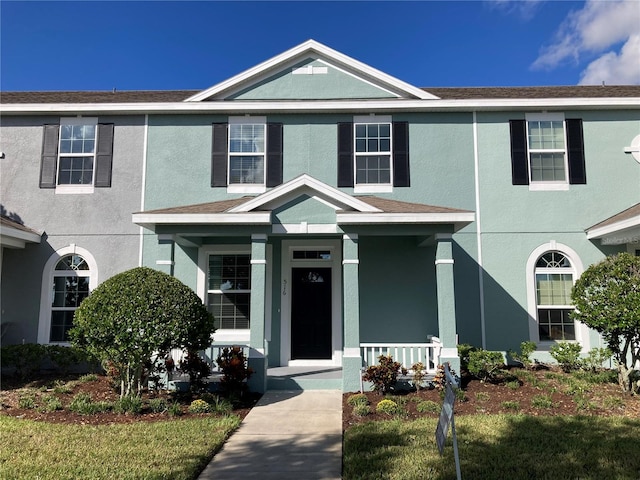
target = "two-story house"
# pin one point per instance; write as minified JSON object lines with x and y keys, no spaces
{"x":320,"y":207}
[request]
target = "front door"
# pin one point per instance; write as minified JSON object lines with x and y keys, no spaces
{"x":310,"y":313}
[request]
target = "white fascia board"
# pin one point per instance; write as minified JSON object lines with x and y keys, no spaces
{"x":323,"y":190}
{"x":257,"y":218}
{"x":614,"y":229}
{"x":406,"y":218}
{"x":13,"y":237}
{"x":309,"y":47}
{"x":238,"y":107}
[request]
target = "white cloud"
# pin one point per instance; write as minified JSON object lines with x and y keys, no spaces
{"x":607,"y":30}
{"x":526,"y":9}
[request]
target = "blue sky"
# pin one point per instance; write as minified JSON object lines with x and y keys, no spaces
{"x":153,"y":45}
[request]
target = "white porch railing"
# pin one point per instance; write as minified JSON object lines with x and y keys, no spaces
{"x":407,"y":354}
{"x":209,"y":354}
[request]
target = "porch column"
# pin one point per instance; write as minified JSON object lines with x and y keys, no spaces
{"x":257,"y":355}
{"x":351,"y":360}
{"x":447,"y":330}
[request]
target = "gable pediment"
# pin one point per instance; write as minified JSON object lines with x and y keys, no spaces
{"x":310,"y":71}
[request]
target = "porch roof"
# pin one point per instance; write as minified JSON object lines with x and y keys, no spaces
{"x":13,"y":234}
{"x":623,"y":227}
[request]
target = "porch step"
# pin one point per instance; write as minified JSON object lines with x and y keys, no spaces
{"x":304,"y":378}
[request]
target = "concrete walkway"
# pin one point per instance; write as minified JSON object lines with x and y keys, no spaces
{"x":287,"y":435}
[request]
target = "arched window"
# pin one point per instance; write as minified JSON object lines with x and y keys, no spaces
{"x":554,"y":281}
{"x":68,"y":277}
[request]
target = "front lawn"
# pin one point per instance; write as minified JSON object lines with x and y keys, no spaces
{"x":174,"y":449}
{"x":496,"y":447}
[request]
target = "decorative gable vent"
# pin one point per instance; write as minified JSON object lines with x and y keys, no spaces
{"x":310,"y":70}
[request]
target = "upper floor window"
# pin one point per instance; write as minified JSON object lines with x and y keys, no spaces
{"x":547,"y":152}
{"x":554,"y":281}
{"x":246,"y":155}
{"x":76,"y":155}
{"x":373,"y":154}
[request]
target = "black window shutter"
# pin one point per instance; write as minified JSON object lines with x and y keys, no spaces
{"x":274,"y":154}
{"x":575,"y":151}
{"x":219,"y":155}
{"x":49,"y":160}
{"x":519,"y":154}
{"x":345,"y":154}
{"x":104,"y":155}
{"x":401,"y":154}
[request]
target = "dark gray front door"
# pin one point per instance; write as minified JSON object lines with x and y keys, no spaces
{"x":310,"y":313}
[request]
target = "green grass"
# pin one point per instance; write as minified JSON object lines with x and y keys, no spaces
{"x":499,"y":446}
{"x":176,"y":449}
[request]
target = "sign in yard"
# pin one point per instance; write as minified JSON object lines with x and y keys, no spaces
{"x":446,"y":418}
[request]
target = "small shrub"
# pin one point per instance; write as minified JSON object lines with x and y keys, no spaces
{"x":428,"y":406}
{"x":384,"y":375}
{"x":175,"y":410}
{"x":89,"y":377}
{"x":567,"y":355}
{"x":513,"y":385}
{"x":485,"y":364}
{"x":357,"y":399}
{"x":524,"y":357}
{"x":27,"y":401}
{"x":464,"y":350}
{"x":482,"y":396}
{"x":511,"y":405}
{"x":61,"y":387}
{"x":596,"y":358}
{"x":221,"y":406}
{"x":199,"y":406}
{"x":235,"y":369}
{"x":596,"y":377}
{"x":83,"y":405}
{"x":128,"y":404}
{"x":361,"y":410}
{"x":197,"y":369}
{"x":158,"y":405}
{"x":419,"y":375}
{"x":541,"y":401}
{"x":24,"y":358}
{"x":388,"y":407}
{"x":439,"y":380}
{"x":50,"y":403}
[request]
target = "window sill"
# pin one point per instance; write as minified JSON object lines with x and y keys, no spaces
{"x":74,"y":189}
{"x":373,"y":189}
{"x":231,"y":336}
{"x":552,"y":187}
{"x":246,"y":189}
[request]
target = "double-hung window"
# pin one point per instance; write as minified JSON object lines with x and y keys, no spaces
{"x":554,"y":281}
{"x":373,"y":154}
{"x":547,"y":152}
{"x":246,"y":155}
{"x":229,"y":290}
{"x":77,"y":155}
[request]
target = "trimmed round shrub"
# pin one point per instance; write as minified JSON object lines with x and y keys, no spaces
{"x":357,"y":399}
{"x":388,"y":407}
{"x":199,"y":406}
{"x":361,"y":410}
{"x":428,"y":406}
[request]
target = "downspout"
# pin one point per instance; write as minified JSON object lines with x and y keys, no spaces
{"x":144,"y":181}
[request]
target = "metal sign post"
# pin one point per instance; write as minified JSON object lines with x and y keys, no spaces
{"x":447,"y":418}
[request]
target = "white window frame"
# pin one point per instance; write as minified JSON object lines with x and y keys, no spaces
{"x":70,"y":188}
{"x":372,"y":187}
{"x":221,"y":335}
{"x":247,"y":187}
{"x":581,"y":330}
{"x":46,"y":295}
{"x":535,"y":185}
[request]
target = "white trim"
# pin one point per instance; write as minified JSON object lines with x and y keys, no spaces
{"x":165,"y":262}
{"x":44,"y":321}
{"x":444,"y":261}
{"x":582,"y":331}
{"x":351,"y":262}
{"x":304,"y":228}
{"x":287,"y":263}
{"x":351,"y":352}
{"x":257,"y":262}
{"x":145,"y":150}
{"x":15,"y":238}
{"x":258,"y":218}
{"x":332,"y":106}
{"x":476,"y":174}
{"x":67,"y":189}
{"x":308,"y":48}
{"x":246,"y":187}
{"x":614,"y":228}
{"x":349,"y":218}
{"x":544,"y":185}
{"x":321,"y":189}
{"x":70,"y":188}
{"x":541,"y":186}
